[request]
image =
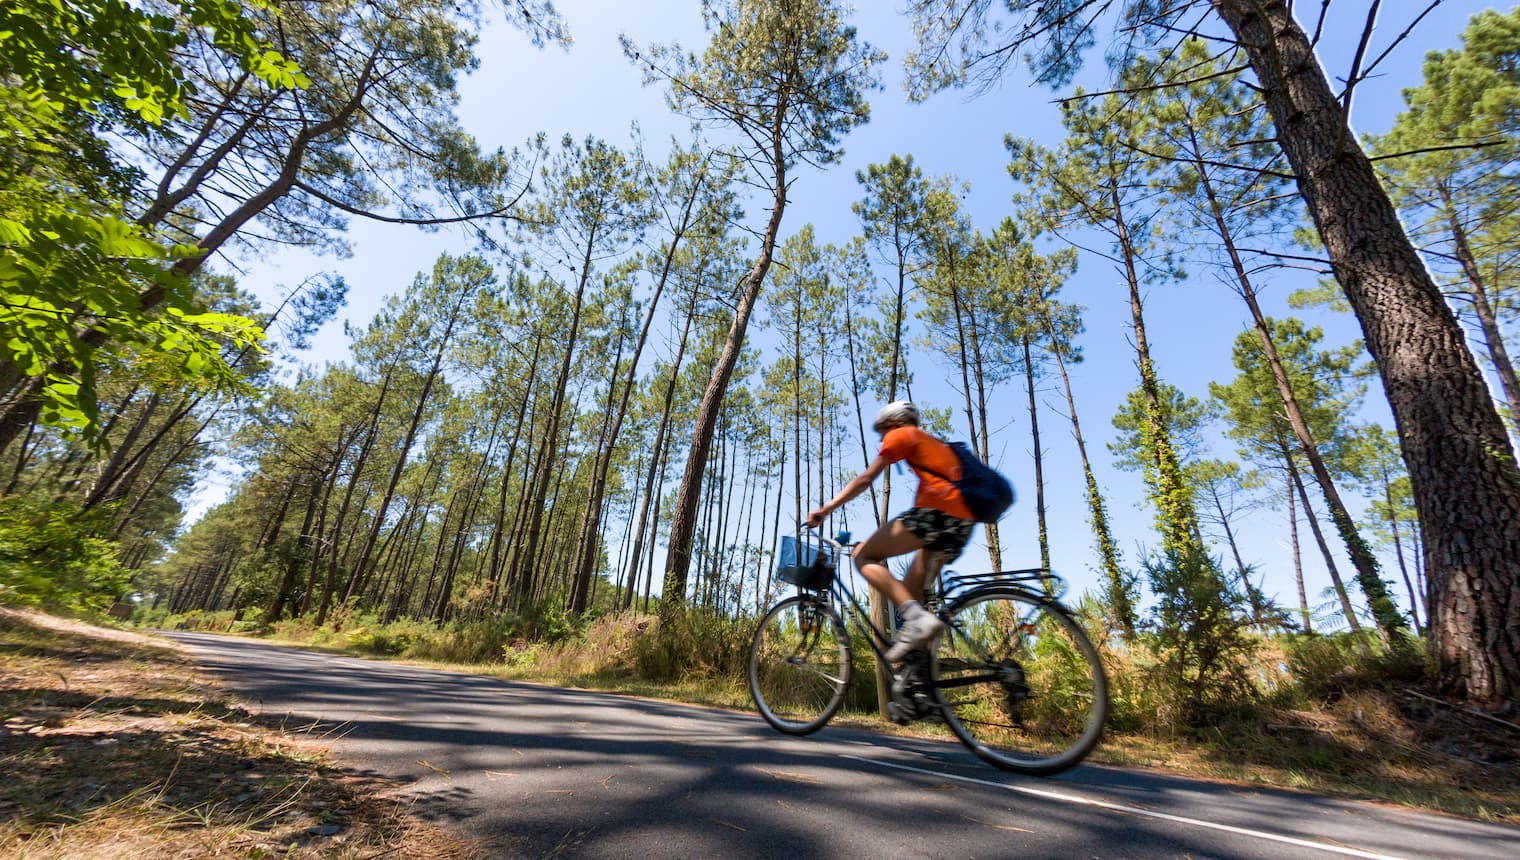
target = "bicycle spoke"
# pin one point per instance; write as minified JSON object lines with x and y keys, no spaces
{"x":799,"y":664}
{"x":1019,"y":682}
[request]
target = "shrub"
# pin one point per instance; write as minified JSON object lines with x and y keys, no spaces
{"x":1198,"y":634}
{"x":1132,"y":701}
{"x":49,"y":557}
{"x":691,"y":642}
{"x":388,"y":639}
{"x":464,"y":642}
{"x":150,"y":616}
{"x":608,"y":648}
{"x":1323,"y":668}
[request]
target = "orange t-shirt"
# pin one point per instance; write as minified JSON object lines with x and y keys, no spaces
{"x":924,"y":453}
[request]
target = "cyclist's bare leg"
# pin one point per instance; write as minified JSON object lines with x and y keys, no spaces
{"x":889,"y":541}
{"x":924,"y":566}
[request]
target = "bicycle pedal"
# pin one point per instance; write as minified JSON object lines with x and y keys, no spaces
{"x":898,"y":714}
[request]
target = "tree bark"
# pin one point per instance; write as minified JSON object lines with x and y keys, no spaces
{"x":657,"y":459}
{"x":860,"y":421}
{"x":1504,"y":368}
{"x":1324,"y":548}
{"x":599,"y":479}
{"x":556,"y":407}
{"x":360,"y":567}
{"x":1175,"y":512}
{"x":1398,"y":552}
{"x":1298,"y":556}
{"x":684,"y":520}
{"x":1462,"y":469}
{"x":1390,"y":623}
{"x":1039,"y":467}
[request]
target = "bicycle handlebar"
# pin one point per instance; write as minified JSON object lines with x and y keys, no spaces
{"x":834,"y":542}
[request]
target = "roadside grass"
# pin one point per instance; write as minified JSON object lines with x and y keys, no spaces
{"x":1348,"y":735}
{"x":1371,"y":745}
{"x":113,"y":747}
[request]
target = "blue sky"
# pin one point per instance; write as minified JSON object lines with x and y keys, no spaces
{"x":591,"y":89}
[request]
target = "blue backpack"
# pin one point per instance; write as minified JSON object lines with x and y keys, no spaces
{"x":987,"y":493}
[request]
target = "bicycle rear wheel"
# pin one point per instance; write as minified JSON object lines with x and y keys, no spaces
{"x":1019,"y":682}
{"x":799,"y":664}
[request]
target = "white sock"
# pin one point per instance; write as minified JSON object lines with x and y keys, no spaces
{"x":910,"y":610}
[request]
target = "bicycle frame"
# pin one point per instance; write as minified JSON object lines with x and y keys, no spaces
{"x":984,"y":648}
{"x":951,"y":588}
{"x":878,"y":639}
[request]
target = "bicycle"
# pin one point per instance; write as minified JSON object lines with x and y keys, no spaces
{"x":1014,"y":677}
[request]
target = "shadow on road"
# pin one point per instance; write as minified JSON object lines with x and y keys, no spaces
{"x":541,"y":771}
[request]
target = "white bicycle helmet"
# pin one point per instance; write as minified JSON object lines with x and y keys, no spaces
{"x":895,"y":414}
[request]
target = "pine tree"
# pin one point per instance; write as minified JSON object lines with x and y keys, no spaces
{"x":788,"y":78}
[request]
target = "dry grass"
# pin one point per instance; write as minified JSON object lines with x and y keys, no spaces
{"x":1379,"y":743}
{"x":1382,"y":744}
{"x":113,"y":747}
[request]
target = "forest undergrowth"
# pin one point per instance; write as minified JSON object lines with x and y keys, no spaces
{"x":1286,"y":711}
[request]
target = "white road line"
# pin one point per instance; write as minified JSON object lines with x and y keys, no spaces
{"x":1134,"y":810}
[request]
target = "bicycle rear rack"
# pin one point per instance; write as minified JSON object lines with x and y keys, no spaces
{"x":1048,"y":584}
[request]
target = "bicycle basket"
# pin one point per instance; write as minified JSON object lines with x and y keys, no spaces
{"x":805,"y":565}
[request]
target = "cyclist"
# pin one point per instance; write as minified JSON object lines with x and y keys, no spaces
{"x":936,"y":528}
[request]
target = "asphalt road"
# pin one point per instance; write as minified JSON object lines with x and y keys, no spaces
{"x":536,"y":771}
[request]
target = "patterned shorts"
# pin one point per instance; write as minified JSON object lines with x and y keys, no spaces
{"x":940,"y":532}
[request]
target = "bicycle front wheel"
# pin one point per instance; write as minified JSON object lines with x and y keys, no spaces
{"x":1019,"y":682}
{"x":799,"y":664}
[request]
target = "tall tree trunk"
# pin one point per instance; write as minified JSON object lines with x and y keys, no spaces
{"x":590,"y":543}
{"x":1324,"y":548}
{"x":1398,"y":552}
{"x":1174,"y":501}
{"x":301,"y":554}
{"x":556,"y":407}
{"x":371,"y":432}
{"x":473,"y":498}
{"x":684,"y":520}
{"x":748,"y":519}
{"x":657,"y":458}
{"x":860,"y":420}
{"x":111,"y":468}
{"x":979,"y":442}
{"x":1120,"y":602}
{"x":799,"y":496}
{"x":1390,"y":623}
{"x":599,"y":479}
{"x":1039,"y":459}
{"x":1298,"y":556}
{"x":1493,"y":340}
{"x":1461,"y":465}
{"x":528,"y":482}
{"x":22,"y":456}
{"x":361,"y":566}
{"x":654,"y":528}
{"x":1258,"y":612}
{"x":499,"y":533}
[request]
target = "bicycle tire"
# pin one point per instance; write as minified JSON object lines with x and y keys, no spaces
{"x":799,"y":664}
{"x":1019,"y":682}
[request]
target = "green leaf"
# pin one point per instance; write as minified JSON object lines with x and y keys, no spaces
{"x":14,"y":232}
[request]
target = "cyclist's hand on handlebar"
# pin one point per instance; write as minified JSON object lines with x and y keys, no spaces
{"x":815,"y":519}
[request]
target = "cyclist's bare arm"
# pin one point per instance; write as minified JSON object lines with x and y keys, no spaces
{"x":855,"y":487}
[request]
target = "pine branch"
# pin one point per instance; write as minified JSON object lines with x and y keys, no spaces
{"x":1402,"y":36}
{"x":500,"y":212}
{"x":1152,"y":87}
{"x":1479,"y":145}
